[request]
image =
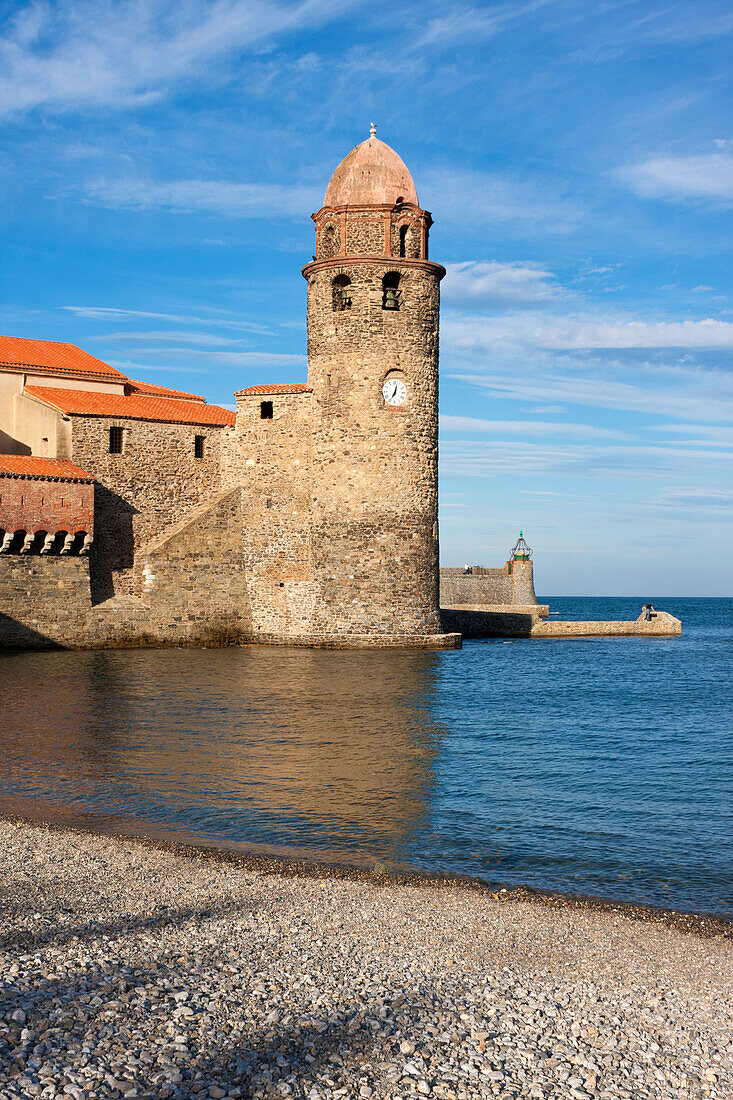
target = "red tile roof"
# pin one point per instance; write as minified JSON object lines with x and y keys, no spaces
{"x":284,"y":387}
{"x":52,"y":469}
{"x":49,"y":355}
{"x":167,"y":410}
{"x":147,"y":388}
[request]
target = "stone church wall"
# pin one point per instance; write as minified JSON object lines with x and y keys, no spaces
{"x":365,"y":234}
{"x":193,"y":580}
{"x":272,"y":460}
{"x":140,"y":492}
{"x":43,"y":601}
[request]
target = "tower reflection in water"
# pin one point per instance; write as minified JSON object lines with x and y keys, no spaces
{"x":310,"y":751}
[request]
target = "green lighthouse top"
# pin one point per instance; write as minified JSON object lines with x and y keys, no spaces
{"x":521,"y":551}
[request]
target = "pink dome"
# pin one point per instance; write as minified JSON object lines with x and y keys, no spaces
{"x":371,"y":175}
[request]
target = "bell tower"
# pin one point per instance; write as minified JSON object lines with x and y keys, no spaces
{"x":373,"y":311}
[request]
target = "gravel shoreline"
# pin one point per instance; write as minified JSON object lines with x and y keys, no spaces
{"x":131,"y":969}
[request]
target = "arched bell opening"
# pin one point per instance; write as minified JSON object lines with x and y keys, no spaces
{"x":329,"y":243}
{"x":341,"y":293}
{"x":391,"y":293}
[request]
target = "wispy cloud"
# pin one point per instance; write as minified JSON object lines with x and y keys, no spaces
{"x":111,"y":313}
{"x":528,"y":428}
{"x":235,"y":200}
{"x":717,"y":502}
{"x":472,"y":24}
{"x":224,"y":358}
{"x":206,"y":339}
{"x":489,"y":281}
{"x":704,"y":177}
{"x":123,"y":53}
{"x":706,"y":395}
{"x":715,"y":435}
{"x":584,"y":331}
{"x":486,"y":198}
{"x":684,"y":22}
{"x":486,"y":458}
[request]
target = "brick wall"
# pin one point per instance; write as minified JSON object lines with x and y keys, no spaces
{"x":36,"y":504}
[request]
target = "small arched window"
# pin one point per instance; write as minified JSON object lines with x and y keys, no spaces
{"x":391,"y":293}
{"x":404,"y":230}
{"x":341,"y":293}
{"x":329,"y":246}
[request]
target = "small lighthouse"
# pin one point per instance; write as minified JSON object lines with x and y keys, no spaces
{"x":521,"y":571}
{"x":521,"y":552}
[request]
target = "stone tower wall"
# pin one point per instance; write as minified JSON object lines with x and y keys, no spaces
{"x":374,"y":523}
{"x":272,"y":460}
{"x":523,"y":582}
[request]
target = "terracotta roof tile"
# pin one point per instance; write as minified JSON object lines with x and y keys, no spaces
{"x":371,"y":174}
{"x":52,"y":469}
{"x":284,"y":387}
{"x":166,"y":410}
{"x":148,"y":389}
{"x":49,"y":355}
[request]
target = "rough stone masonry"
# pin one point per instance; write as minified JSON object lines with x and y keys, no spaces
{"x":310,"y":517}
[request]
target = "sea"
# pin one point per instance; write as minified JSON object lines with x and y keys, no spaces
{"x":592,"y":766}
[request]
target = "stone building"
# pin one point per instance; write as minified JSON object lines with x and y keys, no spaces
{"x":308,"y":517}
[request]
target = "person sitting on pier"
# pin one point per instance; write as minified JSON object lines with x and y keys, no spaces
{"x":648,"y":611}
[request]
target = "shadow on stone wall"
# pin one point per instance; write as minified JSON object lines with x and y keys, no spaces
{"x":486,"y":624}
{"x":16,"y":635}
{"x":113,"y":549}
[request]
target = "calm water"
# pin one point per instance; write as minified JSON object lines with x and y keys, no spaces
{"x":598,"y":766}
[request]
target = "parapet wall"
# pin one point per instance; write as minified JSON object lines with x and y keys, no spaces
{"x":512,"y":584}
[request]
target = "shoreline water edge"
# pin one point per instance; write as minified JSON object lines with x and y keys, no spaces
{"x":260,"y":860}
{"x":142,"y":969}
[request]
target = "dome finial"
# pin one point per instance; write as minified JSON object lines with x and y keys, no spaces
{"x":371,"y":174}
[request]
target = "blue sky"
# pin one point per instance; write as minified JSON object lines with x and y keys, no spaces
{"x":160,"y":161}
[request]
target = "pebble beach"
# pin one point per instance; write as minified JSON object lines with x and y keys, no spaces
{"x":130,"y":969}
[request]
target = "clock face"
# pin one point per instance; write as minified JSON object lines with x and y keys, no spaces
{"x":394,"y":391}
